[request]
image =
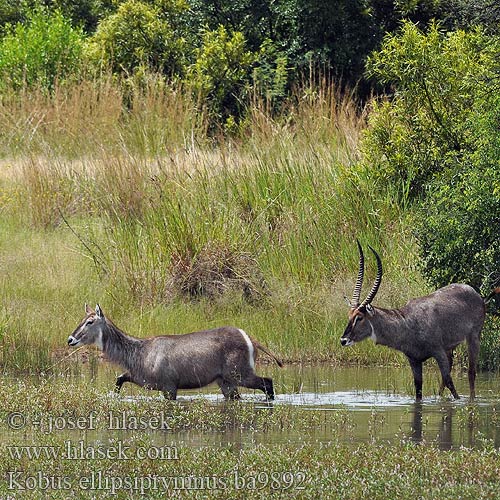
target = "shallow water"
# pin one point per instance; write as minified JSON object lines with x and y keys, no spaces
{"x":378,"y":404}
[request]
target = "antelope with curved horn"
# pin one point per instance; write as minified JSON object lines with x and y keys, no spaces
{"x":427,"y":327}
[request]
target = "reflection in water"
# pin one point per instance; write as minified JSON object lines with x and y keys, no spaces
{"x":451,"y":426}
{"x":416,"y":433}
{"x":444,"y":436}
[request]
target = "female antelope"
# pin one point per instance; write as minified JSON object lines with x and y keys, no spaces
{"x":170,"y":362}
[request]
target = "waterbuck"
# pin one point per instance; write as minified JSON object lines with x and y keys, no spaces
{"x":426,"y":327}
{"x":170,"y":362}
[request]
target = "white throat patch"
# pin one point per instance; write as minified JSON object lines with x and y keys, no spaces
{"x":250,"y":348}
{"x":98,"y":341}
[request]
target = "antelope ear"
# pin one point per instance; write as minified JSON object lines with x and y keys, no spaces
{"x":88,"y":310}
{"x":98,"y":311}
{"x":369,"y":309}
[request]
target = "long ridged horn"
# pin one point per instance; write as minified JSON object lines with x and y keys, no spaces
{"x":377,"y":282}
{"x":359,"y":281}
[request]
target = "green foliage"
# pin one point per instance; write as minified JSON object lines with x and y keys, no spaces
{"x":466,"y":14}
{"x":137,"y":35}
{"x":459,"y":224}
{"x":44,"y":49}
{"x":10,"y":13}
{"x":85,"y":13}
{"x":257,"y":19}
{"x":220,"y":74}
{"x":489,"y":357}
{"x":337,"y":35}
{"x":437,"y":140}
{"x":458,"y":230}
{"x":423,"y":130}
{"x":271,"y":73}
{"x":387,"y":15}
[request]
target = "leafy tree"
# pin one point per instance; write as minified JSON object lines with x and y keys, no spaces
{"x":337,"y":35}
{"x":84,"y":13}
{"x":271,"y":72}
{"x":10,"y":13}
{"x":40,"y":51}
{"x":387,"y":15}
{"x":459,"y":227}
{"x":422,"y":130}
{"x":221,"y":71}
{"x":258,"y":20}
{"x":465,"y":14}
{"x":437,"y":140}
{"x":137,"y":35}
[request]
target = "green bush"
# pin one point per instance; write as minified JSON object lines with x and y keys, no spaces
{"x":271,"y":73}
{"x":85,"y":13}
{"x":489,"y":355}
{"x":436,"y":140}
{"x":44,"y":49}
{"x":422,"y":131}
{"x":10,"y":13}
{"x":459,"y":224}
{"x":336,"y":36}
{"x":220,"y":74}
{"x":137,"y":35}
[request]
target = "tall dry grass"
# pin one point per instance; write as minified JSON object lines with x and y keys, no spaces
{"x":146,"y":117}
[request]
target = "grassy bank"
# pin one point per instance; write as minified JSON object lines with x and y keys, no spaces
{"x":284,"y":471}
{"x":118,"y":196}
{"x":47,"y":277}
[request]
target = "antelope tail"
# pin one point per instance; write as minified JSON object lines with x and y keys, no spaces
{"x":270,"y":354}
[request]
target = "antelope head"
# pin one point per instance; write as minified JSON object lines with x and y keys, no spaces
{"x":359,"y":326}
{"x":89,"y":331}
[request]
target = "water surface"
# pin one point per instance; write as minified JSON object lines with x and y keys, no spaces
{"x":377,"y":405}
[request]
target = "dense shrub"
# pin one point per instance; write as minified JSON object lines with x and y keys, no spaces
{"x":336,"y":35}
{"x":221,"y":72}
{"x":84,"y":13}
{"x":466,"y":14}
{"x":489,"y":356}
{"x":459,"y":226}
{"x":10,"y":13}
{"x":137,"y":35}
{"x":271,"y":73}
{"x":436,"y":140}
{"x":40,"y":51}
{"x":423,"y":130}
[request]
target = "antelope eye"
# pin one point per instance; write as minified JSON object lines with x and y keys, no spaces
{"x":89,"y":321}
{"x":356,"y":319}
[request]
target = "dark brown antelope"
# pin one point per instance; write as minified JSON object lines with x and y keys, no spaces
{"x":170,"y":362}
{"x":426,"y":327}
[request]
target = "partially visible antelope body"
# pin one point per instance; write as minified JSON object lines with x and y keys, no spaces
{"x":170,"y":362}
{"x":426,"y":327}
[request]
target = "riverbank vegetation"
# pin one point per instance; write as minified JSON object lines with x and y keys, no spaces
{"x":67,"y":436}
{"x":188,"y":178}
{"x":190,"y":164}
